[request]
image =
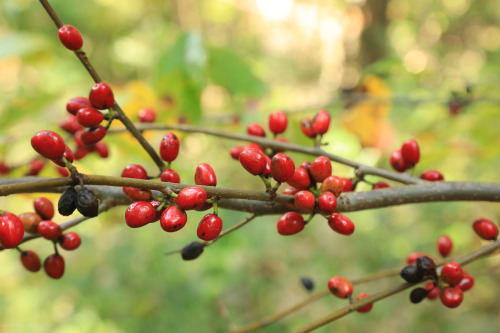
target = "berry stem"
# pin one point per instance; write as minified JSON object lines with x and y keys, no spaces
{"x":266,"y":182}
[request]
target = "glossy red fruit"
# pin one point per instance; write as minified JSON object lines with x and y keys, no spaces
{"x":4,"y":168}
{"x":321,"y":168}
{"x":11,"y":230}
{"x":255,"y":130}
{"x":379,"y":185}
{"x":306,"y":165}
{"x":347,"y":184}
{"x":466,"y":283}
{"x":412,"y":257}
{"x":68,"y":155}
{"x":89,"y":117}
{"x":306,"y":127}
{"x":365,"y":308}
{"x":48,"y":144}
{"x":333,"y":184}
{"x":70,"y":124}
{"x":80,"y":152}
{"x":44,"y":208}
{"x":171,"y":176}
{"x":254,"y":161}
{"x":304,"y":201}
{"x":452,"y":273}
{"x":451,"y":297}
{"x":70,"y":241}
{"x":397,"y":161}
{"x":327,"y":203}
{"x":70,"y":37}
{"x":205,"y":175}
{"x":158,"y":212}
{"x":93,"y":135}
{"x":49,"y":230}
{"x":432,"y":175}
{"x":210,"y":227}
{"x":169,"y":147}
{"x":289,"y":191}
{"x":101,"y":96}
{"x":341,"y":224}
{"x":236,"y":151}
{"x":321,"y":122}
{"x":290,"y":223}
{"x":485,"y":229}
{"x":282,"y":168}
{"x":63,"y":171}
{"x":147,"y":115}
{"x":410,"y":151}
{"x":444,"y":245}
{"x":76,"y":103}
{"x":433,"y":291}
{"x":30,"y":221}
{"x":267,"y":170}
{"x":139,"y":213}
{"x":102,"y":149}
{"x":31,"y":261}
{"x":135,"y":171}
{"x":278,"y":122}
{"x":36,"y":165}
{"x":255,"y":146}
{"x":137,"y":194}
{"x":54,"y":266}
{"x":173,"y":219}
{"x":191,"y":197}
{"x":340,"y":287}
{"x":300,"y":179}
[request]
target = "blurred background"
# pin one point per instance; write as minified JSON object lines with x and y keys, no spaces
{"x":386,"y":70}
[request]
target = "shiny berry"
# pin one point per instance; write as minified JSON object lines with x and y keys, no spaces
{"x":70,"y":241}
{"x":417,"y":295}
{"x":169,"y":147}
{"x":101,"y":96}
{"x":36,"y":165}
{"x":70,"y":37}
{"x":307,"y":283}
{"x":327,"y":203}
{"x":306,"y":128}
{"x":93,"y":135}
{"x":340,"y":287}
{"x":452,"y":273}
{"x":397,"y":161}
{"x":304,"y":201}
{"x":70,"y":124}
{"x":300,"y":179}
{"x":30,"y":221}
{"x":170,"y":176}
{"x":290,"y":223}
{"x":254,"y":161}
{"x":347,"y":184}
{"x":410,"y":151}
{"x":466,"y":283}
{"x":191,"y":197}
{"x":485,"y":229}
{"x":321,"y":122}
{"x":68,"y":155}
{"x":102,"y":149}
{"x":76,"y":103}
{"x":54,"y":266}
{"x":205,"y":175}
{"x":255,"y":146}
{"x":173,"y":219}
{"x":411,"y":274}
{"x":289,"y":191}
{"x":432,"y":175}
{"x":31,"y":261}
{"x":137,"y":194}
{"x":89,"y":117}
{"x":236,"y":151}
{"x":87,"y":203}
{"x":306,"y":165}
{"x":321,"y":168}
{"x":192,"y":250}
{"x":366,"y":308}
{"x":379,"y":185}
{"x":451,"y":297}
{"x":147,"y":115}
{"x":135,"y":171}
{"x":433,"y":290}
{"x":341,"y":224}
{"x":139,"y":213}
{"x":11,"y":230}
{"x":278,"y":122}
{"x":44,"y":208}
{"x":255,"y":130}
{"x":67,"y":202}
{"x":427,"y":266}
{"x":210,"y":227}
{"x":49,"y":230}
{"x":333,"y":184}
{"x":282,"y":168}
{"x":48,"y":144}
{"x":444,"y":245}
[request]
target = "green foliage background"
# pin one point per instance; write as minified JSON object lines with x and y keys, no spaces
{"x":214,"y":63}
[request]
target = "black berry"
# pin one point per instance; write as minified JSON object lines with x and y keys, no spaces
{"x":192,"y":250}
{"x":87,"y":203}
{"x":418,"y":294}
{"x":307,"y":283}
{"x":412,"y":274}
{"x":67,"y":202}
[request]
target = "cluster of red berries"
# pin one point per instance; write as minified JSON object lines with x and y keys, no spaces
{"x":13,"y":227}
{"x":342,"y":288}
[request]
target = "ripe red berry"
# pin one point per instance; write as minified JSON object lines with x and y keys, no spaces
{"x":191,"y":197}
{"x":306,"y":165}
{"x":68,"y":155}
{"x":49,"y":230}
{"x":205,"y":175}
{"x":173,"y":219}
{"x":139,"y":213}
{"x":70,"y":241}
{"x":171,"y":176}
{"x":306,"y":128}
{"x":169,"y":147}
{"x":255,"y":130}
{"x":327,"y":203}
{"x":432,"y":175}
{"x":76,"y":103}
{"x":102,"y":149}
{"x":410,"y":151}
{"x":48,"y":144}
{"x":54,"y":266}
{"x":466,"y":283}
{"x":158,"y":212}
{"x":347,"y":184}
{"x":304,"y":201}
{"x":147,"y":115}
{"x":433,"y":290}
{"x":254,"y":161}
{"x":31,"y":261}
{"x":321,"y":122}
{"x":210,"y":227}
{"x":101,"y":96}
{"x":452,"y":273}
{"x":93,"y":135}
{"x":135,"y":171}
{"x":236,"y":151}
{"x":485,"y":229}
{"x":80,"y":152}
{"x":4,"y":168}
{"x":444,"y":245}
{"x":278,"y":122}
{"x":300,"y":179}
{"x":63,"y":171}
{"x":30,"y":221}
{"x":333,"y":184}
{"x":255,"y":146}
{"x":365,"y":308}
{"x":451,"y":297}
{"x":70,"y":124}
{"x":44,"y":208}
{"x":321,"y":168}
{"x":282,"y":167}
{"x":89,"y":117}
{"x":36,"y":165}
{"x":11,"y":230}
{"x":70,"y":37}
{"x":379,"y":185}
{"x":290,"y":223}
{"x":341,"y":224}
{"x":397,"y":161}
{"x":340,"y":287}
{"x":289,"y":191}
{"x":137,"y":194}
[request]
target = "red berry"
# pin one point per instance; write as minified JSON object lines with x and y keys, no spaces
{"x":327,"y":203}
{"x":137,"y":194}
{"x":254,"y":161}
{"x":68,"y":154}
{"x":321,"y":168}
{"x":341,"y":224}
{"x":102,"y":149}
{"x":454,"y":107}
{"x":236,"y":151}
{"x":282,"y":140}
{"x":452,"y":273}
{"x":76,"y":103}
{"x":173,"y":219}
{"x":70,"y":124}
{"x":290,"y":223}
{"x":333,"y":184}
{"x":30,"y":221}
{"x":31,"y":261}
{"x":255,"y":146}
{"x":433,"y":290}
{"x":412,"y":257}
{"x":432,"y":175}
{"x":340,"y":287}
{"x":306,"y":128}
{"x":306,"y":165}
{"x":451,"y":297}
{"x":170,"y":176}
{"x":80,"y":153}
{"x":410,"y":152}
{"x":48,"y":144}
{"x":70,"y":241}
{"x":289,"y":191}
{"x":255,"y":130}
{"x":139,"y":213}
{"x":365,"y":308}
{"x":466,"y":283}
{"x":89,"y":117}
{"x":169,"y":147}
{"x":300,"y":179}
{"x":49,"y":230}
{"x":158,"y":212}
{"x":278,"y":122}
{"x":205,"y":175}
{"x":347,"y":184}
{"x":282,"y":167}
{"x":93,"y":135}
{"x":304,"y":201}
{"x":11,"y":230}
{"x":63,"y":171}
{"x":36,"y":165}
{"x":147,"y":115}
{"x":135,"y":171}
{"x":191,"y":197}
{"x":485,"y":229}
{"x":444,"y":245}
{"x":397,"y":161}
{"x":54,"y":266}
{"x":4,"y":168}
{"x":210,"y":227}
{"x":101,"y":96}
{"x":70,"y":37}
{"x":379,"y":185}
{"x":44,"y":208}
{"x":321,"y":122}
